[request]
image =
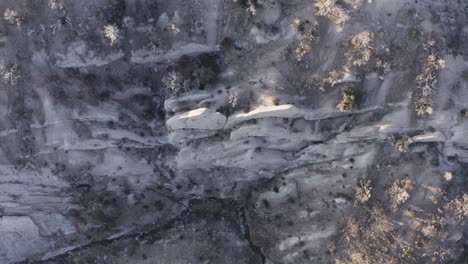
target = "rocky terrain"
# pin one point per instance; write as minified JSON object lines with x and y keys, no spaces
{"x":233,"y":131}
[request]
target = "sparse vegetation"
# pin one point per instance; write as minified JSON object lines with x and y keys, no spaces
{"x":302,"y":49}
{"x":328,"y":80}
{"x":355,"y":3}
{"x":332,"y":78}
{"x":459,"y":207}
{"x":413,"y":34}
{"x":368,"y":238}
{"x":376,"y":237}
{"x":240,"y":100}
{"x":307,"y":29}
{"x":351,"y":229}
{"x":56,"y":4}
{"x":436,"y":193}
{"x":427,"y":79}
{"x":332,"y":10}
{"x":348,"y":101}
{"x":176,"y":83}
{"x":430,"y":228}
{"x":250,"y":5}
{"x":465,"y":75}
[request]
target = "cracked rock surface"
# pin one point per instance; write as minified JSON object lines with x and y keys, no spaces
{"x":233,"y":131}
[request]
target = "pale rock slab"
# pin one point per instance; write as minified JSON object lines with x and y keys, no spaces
{"x":202,"y":118}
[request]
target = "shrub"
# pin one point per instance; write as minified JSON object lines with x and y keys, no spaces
{"x":398,"y":193}
{"x":10,"y":74}
{"x":424,"y":106}
{"x":111,"y":32}
{"x":402,"y":145}
{"x":363,"y":191}
{"x":12,"y":17}
{"x":360,"y":48}
{"x":348,"y":102}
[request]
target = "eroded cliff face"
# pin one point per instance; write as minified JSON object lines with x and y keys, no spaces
{"x":233,"y":131}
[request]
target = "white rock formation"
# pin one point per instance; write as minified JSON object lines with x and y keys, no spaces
{"x":202,"y":118}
